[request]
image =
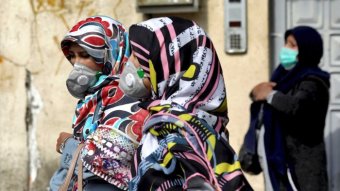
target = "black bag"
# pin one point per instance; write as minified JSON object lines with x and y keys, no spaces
{"x":248,"y":156}
{"x":249,"y":161}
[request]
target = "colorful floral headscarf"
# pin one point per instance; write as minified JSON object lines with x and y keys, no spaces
{"x":107,"y":121}
{"x":104,"y":39}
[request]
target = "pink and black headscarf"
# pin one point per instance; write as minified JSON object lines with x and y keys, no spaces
{"x":183,"y":139}
{"x":183,"y":67}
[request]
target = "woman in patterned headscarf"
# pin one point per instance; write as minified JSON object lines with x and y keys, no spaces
{"x":175,"y":69}
{"x":106,"y":121}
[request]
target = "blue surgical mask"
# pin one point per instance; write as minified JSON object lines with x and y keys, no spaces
{"x":288,"y":58}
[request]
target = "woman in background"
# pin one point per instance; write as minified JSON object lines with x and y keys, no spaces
{"x":293,"y":108}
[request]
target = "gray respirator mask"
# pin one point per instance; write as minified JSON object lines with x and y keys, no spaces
{"x":80,"y":80}
{"x":131,"y":82}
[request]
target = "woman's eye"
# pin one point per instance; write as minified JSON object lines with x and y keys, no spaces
{"x":85,"y":55}
{"x":70,"y":56}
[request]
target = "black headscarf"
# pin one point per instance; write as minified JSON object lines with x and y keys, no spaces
{"x":310,"y":47}
{"x":310,"y":44}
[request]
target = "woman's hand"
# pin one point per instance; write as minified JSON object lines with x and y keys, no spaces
{"x":63,"y":136}
{"x":262,"y":90}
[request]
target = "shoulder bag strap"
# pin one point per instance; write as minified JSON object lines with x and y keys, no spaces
{"x":70,"y":171}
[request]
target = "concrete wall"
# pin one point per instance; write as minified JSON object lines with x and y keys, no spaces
{"x":36,"y":105}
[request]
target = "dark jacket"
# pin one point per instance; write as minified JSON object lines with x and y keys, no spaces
{"x":304,"y":110}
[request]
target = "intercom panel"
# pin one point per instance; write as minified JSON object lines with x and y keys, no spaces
{"x":235,"y":26}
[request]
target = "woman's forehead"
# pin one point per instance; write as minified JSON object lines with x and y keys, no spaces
{"x":291,"y":37}
{"x":76,"y":47}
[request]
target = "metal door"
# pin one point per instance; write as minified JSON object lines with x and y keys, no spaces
{"x":324,"y":15}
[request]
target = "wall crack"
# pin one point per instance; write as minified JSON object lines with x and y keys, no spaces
{"x":33,"y":108}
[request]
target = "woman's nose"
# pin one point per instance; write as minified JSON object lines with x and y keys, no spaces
{"x":76,"y":59}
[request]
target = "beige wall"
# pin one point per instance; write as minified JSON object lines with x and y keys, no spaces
{"x":30,"y":33}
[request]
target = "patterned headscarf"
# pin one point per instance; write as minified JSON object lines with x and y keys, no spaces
{"x":103,"y":38}
{"x":183,"y":138}
{"x":183,"y":67}
{"x":106,"y":120}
